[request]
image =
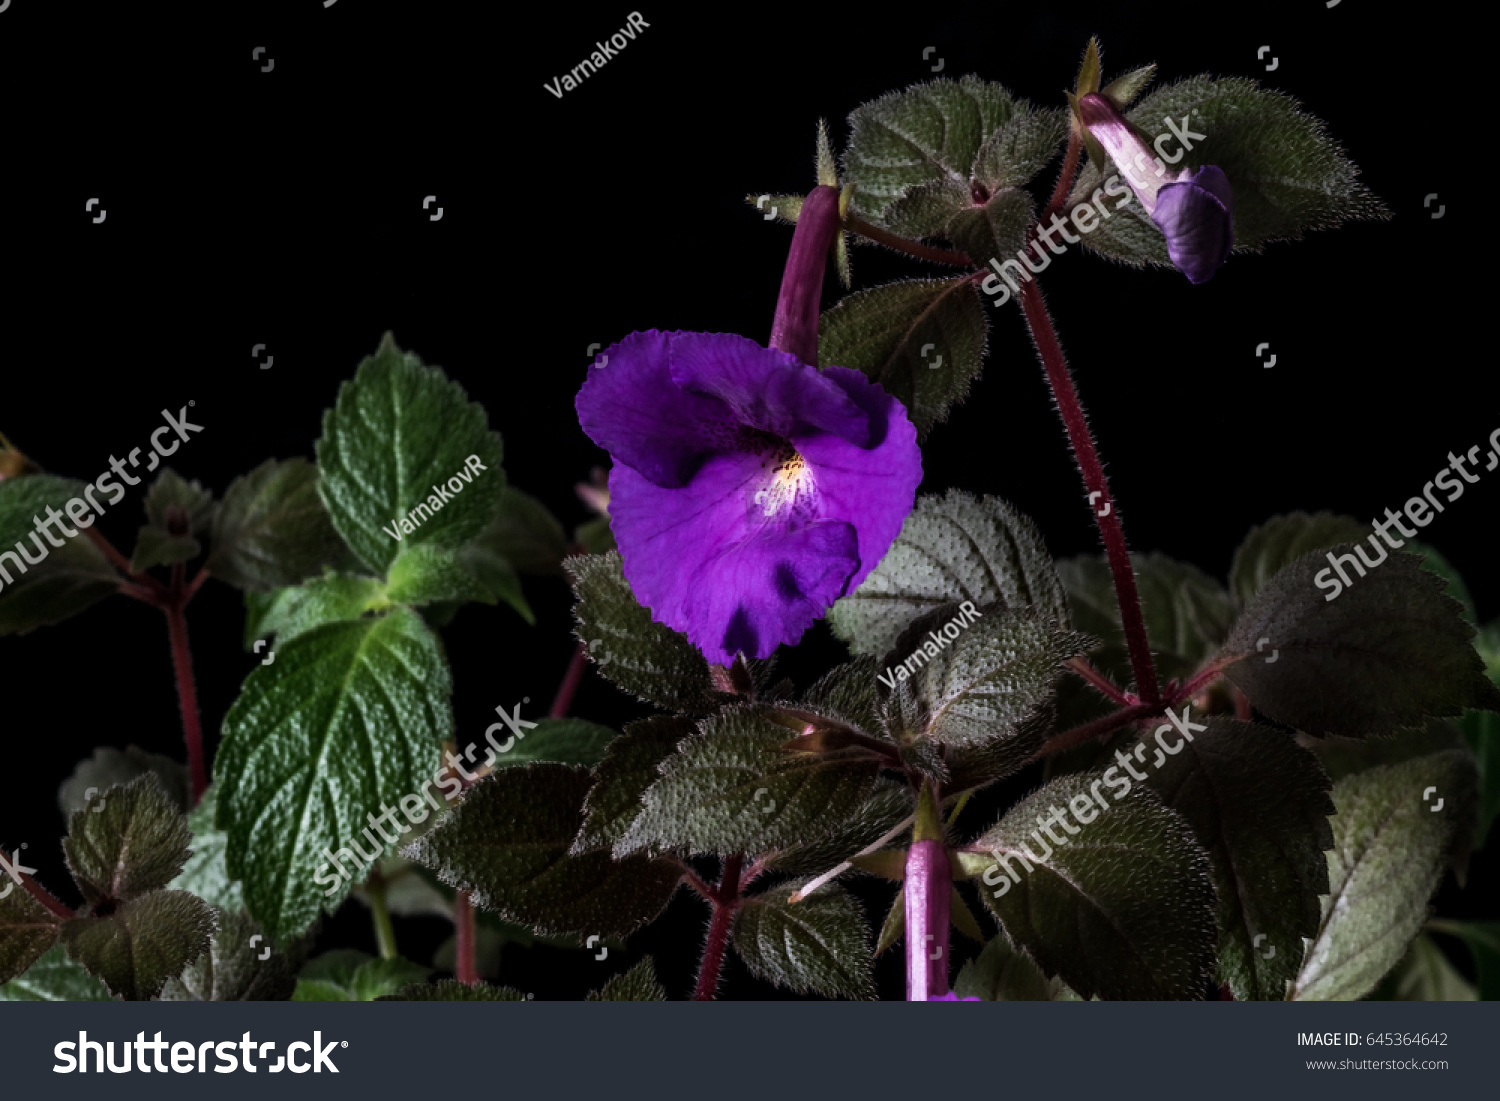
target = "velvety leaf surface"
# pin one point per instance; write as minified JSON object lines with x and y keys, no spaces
{"x":1001,"y":973}
{"x":27,"y":929}
{"x":272,"y":529}
{"x":232,"y":969}
{"x":820,"y":945}
{"x":134,"y":842}
{"x":639,"y":984}
{"x":622,"y":777}
{"x":142,"y":943}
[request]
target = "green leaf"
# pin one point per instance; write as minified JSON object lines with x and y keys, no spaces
{"x":1018,"y":150}
{"x":846,"y":694}
{"x":820,"y":945}
{"x":1425,"y":975}
{"x":926,"y":209}
{"x":733,"y":788}
{"x":423,"y":574}
{"x":951,"y":548}
{"x":921,"y":340}
{"x":643,"y":657}
{"x":1187,"y":613}
{"x":508,"y":841}
{"x":1282,"y":540}
{"x":144,"y":942}
{"x":133,"y":840}
{"x":54,"y":978}
{"x":332,"y":598}
{"x":347,"y":721}
{"x":451,"y":990}
{"x":1483,"y":939}
{"x":1125,"y":909}
{"x":1089,"y":72}
{"x":781,"y":208}
{"x":1481,"y":729}
{"x":595,"y":536}
{"x":997,"y":230}
{"x":1390,"y":651}
{"x":1002,"y":973}
{"x":272,"y":529}
{"x":155,"y":547}
{"x":27,"y":930}
{"x":398,"y":431}
{"x":346,"y":975}
{"x":526,"y":535}
{"x":888,"y":805}
{"x":1434,"y":562}
{"x":928,"y":132}
{"x":622,"y":777}
{"x":108,"y":767}
{"x":1123,"y":89}
{"x":69,"y":579}
{"x":495,"y":575}
{"x":1258,"y":803}
{"x":206,"y":873}
{"x":232,"y":969}
{"x":1390,"y":845}
{"x":565,"y":741}
{"x":989,"y":680}
{"x":1288,"y":175}
{"x":639,"y":984}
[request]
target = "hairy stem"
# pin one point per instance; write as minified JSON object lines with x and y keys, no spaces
{"x":906,"y":245}
{"x":1065,"y":178}
{"x":46,"y":898}
{"x":187,"y":694}
{"x":726,"y":901}
{"x":1097,"y":486}
{"x":1105,"y":686}
{"x":1108,"y":724}
{"x":562,"y":703}
{"x":463,"y":928}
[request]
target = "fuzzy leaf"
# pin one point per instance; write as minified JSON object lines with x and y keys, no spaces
{"x":332,"y":598}
{"x":272,"y":529}
{"x":1124,"y":910}
{"x":27,"y":929}
{"x":508,"y":841}
{"x":1390,"y":651}
{"x":398,"y":430}
{"x":142,"y":943}
{"x":820,"y":945}
{"x":1019,"y":149}
{"x":1390,"y":844}
{"x":495,"y":575}
{"x":639,"y":984}
{"x":424,"y":574}
{"x":622,"y":777}
{"x":951,"y":548}
{"x":451,"y":990}
{"x":54,"y":978}
{"x":1258,"y":803}
{"x":108,"y":767}
{"x":846,"y":694}
{"x":888,"y":805}
{"x":1280,"y":541}
{"x":69,"y":579}
{"x":996,"y":230}
{"x":565,"y":741}
{"x":133,"y":840}
{"x":155,"y":547}
{"x":232,"y":969}
{"x":921,"y":340}
{"x":732,"y":788}
{"x":347,"y":720}
{"x":171,"y":490}
{"x":1001,"y":973}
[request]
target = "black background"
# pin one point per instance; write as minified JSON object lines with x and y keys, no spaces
{"x":284,"y":209}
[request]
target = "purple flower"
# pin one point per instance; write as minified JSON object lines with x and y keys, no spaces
{"x":749,"y":490}
{"x":1193,"y":208}
{"x":951,"y":997}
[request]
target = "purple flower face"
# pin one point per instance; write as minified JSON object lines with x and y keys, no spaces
{"x":750,"y":490}
{"x":1196,"y":212}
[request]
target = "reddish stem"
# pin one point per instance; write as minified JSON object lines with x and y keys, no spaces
{"x":1101,"y":682}
{"x":1108,"y":724}
{"x":726,"y":901}
{"x":908,"y":246}
{"x":45,"y":897}
{"x":1065,"y":179}
{"x":142,"y":586}
{"x":563,"y":702}
{"x":463,"y":927}
{"x":1203,"y":678}
{"x":187,"y":693}
{"x":1097,"y":486}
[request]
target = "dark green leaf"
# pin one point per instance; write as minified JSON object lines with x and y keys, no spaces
{"x":1125,"y":909}
{"x":921,"y":340}
{"x":1425,"y":975}
{"x":1019,"y":149}
{"x":1389,"y":652}
{"x":1258,"y":803}
{"x":733,"y":788}
{"x":109,"y":766}
{"x":1483,"y":939}
{"x":496,"y":576}
{"x":155,"y":547}
{"x":69,"y":579}
{"x":232,"y":969}
{"x":1434,"y":562}
{"x":1280,"y":541}
{"x":508,"y":841}
{"x":565,"y":741}
{"x":1002,"y":973}
{"x":820,"y":945}
{"x":347,"y":721}
{"x":451,"y":990}
{"x":995,"y":231}
{"x":1123,"y":89}
{"x":639,"y":984}
{"x":595,"y":536}
{"x":399,"y":431}
{"x":54,"y":978}
{"x":171,"y":490}
{"x":131,"y":841}
{"x":27,"y":929}
{"x":951,"y":548}
{"x":622,"y":777}
{"x":1391,"y":838}
{"x":143,"y":943}
{"x":888,"y":805}
{"x":272,"y":529}
{"x":526,"y":534}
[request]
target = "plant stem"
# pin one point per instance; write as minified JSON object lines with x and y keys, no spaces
{"x":1065,"y":178}
{"x":1204,"y":677}
{"x":726,"y":901}
{"x":563,"y":701}
{"x":187,"y":694}
{"x":46,"y":898}
{"x":1108,"y":724}
{"x":905,"y":244}
{"x":1095,"y":483}
{"x":463,"y":928}
{"x":380,"y":914}
{"x":1101,"y":682}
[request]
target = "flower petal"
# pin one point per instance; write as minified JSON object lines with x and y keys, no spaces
{"x":709,"y":562}
{"x":772,"y":391}
{"x":1196,"y":212}
{"x":633,"y":409}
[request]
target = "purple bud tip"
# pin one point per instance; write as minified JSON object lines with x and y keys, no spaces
{"x":1196,"y":213}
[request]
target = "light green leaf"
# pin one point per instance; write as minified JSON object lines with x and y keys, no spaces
{"x":1483,"y":939}
{"x":1425,"y":975}
{"x":346,"y":975}
{"x":451,"y":990}
{"x":565,"y":741}
{"x":332,"y":598}
{"x":54,"y":978}
{"x":347,"y":721}
{"x":424,"y":574}
{"x":206,"y":873}
{"x":495,"y":575}
{"x":1002,"y":973}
